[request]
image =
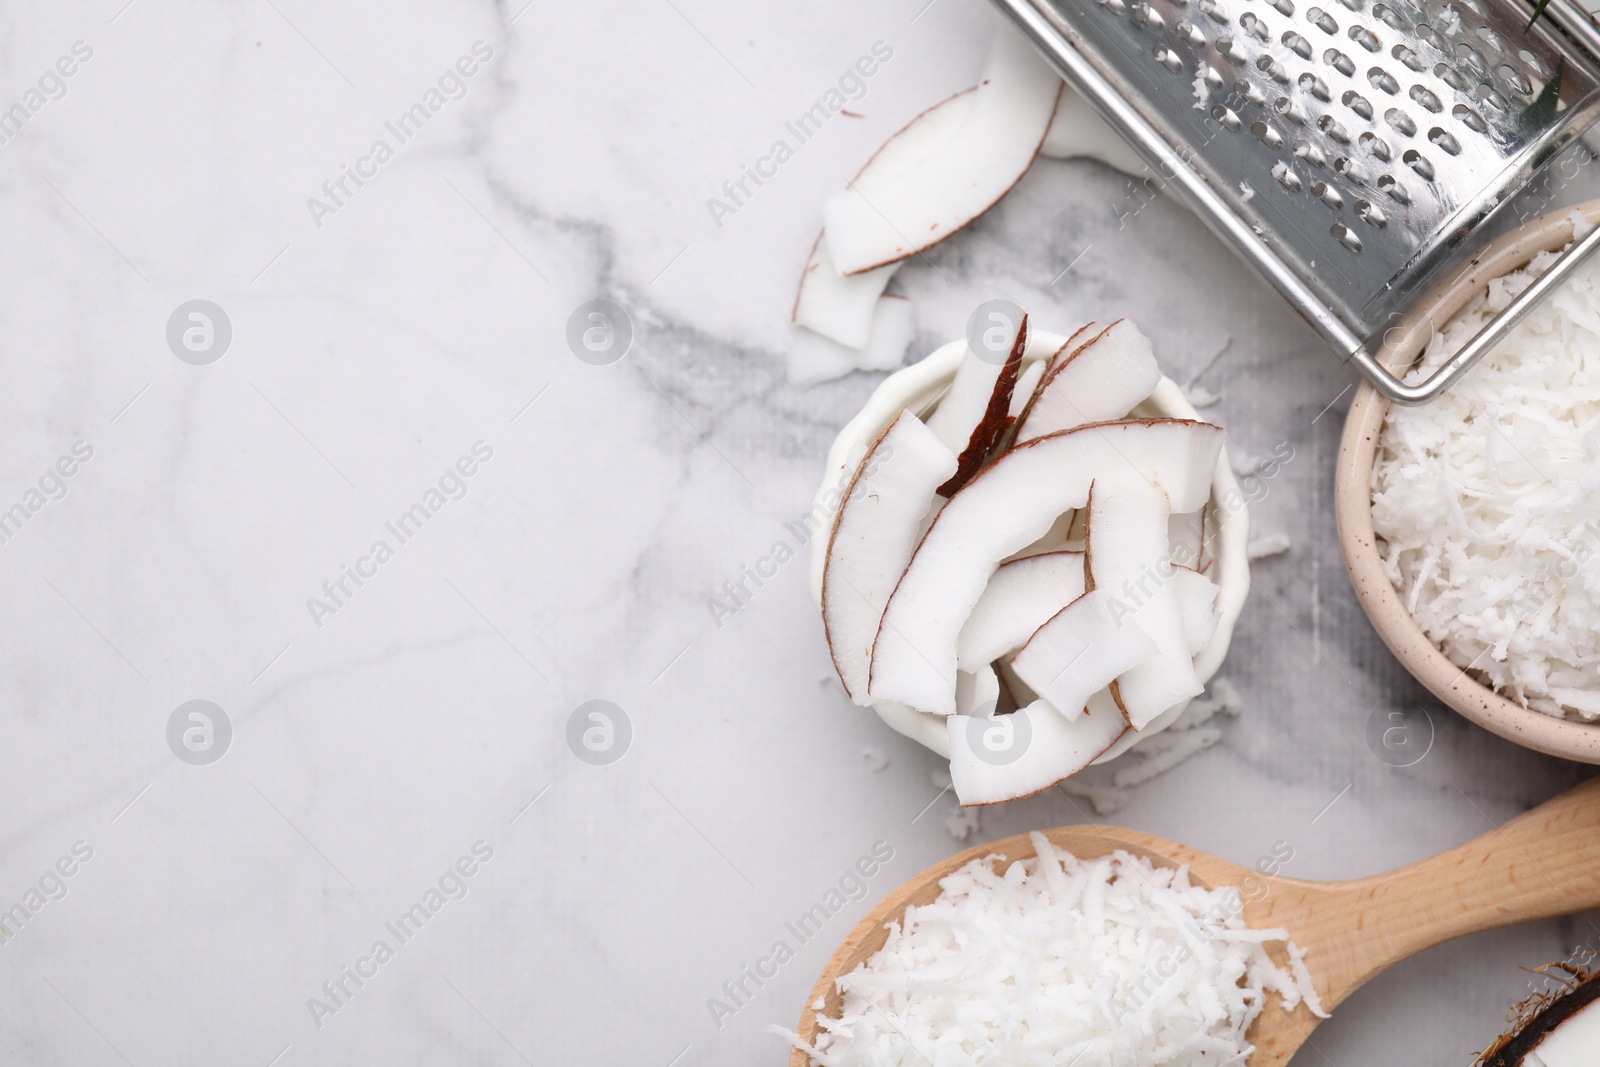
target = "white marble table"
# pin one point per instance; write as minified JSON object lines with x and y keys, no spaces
{"x":414,"y":726}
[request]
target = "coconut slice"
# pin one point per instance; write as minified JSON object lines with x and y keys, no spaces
{"x":1101,"y":379}
{"x":1021,"y":597}
{"x":1006,"y":757}
{"x":977,"y":692}
{"x":1186,"y":534}
{"x":814,"y":358}
{"x":1126,"y":554}
{"x":840,"y":307}
{"x":995,"y":420}
{"x":1008,"y":506}
{"x":877,"y":528}
{"x":874,"y":223}
{"x":1080,"y":650}
{"x":1197,"y":600}
{"x":1078,"y":131}
{"x":1027,"y":382}
{"x":1552,"y":1029}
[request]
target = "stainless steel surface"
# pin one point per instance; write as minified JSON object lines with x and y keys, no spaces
{"x":1346,"y":151}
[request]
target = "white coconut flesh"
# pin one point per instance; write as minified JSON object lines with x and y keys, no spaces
{"x":1574,"y":1043}
{"x":963,"y":406}
{"x":1197,"y":599}
{"x":878,"y":527}
{"x":977,"y":692}
{"x":1125,"y":557}
{"x":1077,"y":130}
{"x":1009,"y":505}
{"x":1103,"y":379}
{"x":841,"y":307}
{"x":1021,"y":596}
{"x":814,"y":358}
{"x":1003,"y":757}
{"x":886,"y":221}
{"x":1081,"y":650}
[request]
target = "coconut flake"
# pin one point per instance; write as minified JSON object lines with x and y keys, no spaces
{"x":1485,"y":501}
{"x":1056,"y":960}
{"x":1270,"y":545}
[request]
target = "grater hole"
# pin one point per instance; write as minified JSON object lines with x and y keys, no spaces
{"x":1369,"y":213}
{"x":1495,"y":42}
{"x":1394,"y":189}
{"x":1418,"y":163}
{"x":1387,"y":15}
{"x":1491,"y":96}
{"x":1350,"y":170}
{"x":1516,"y":79}
{"x":1116,"y":7}
{"x":1400,"y":121}
{"x":1248,"y":92}
{"x":1322,"y":20}
{"x":1346,"y":237}
{"x":1444,"y":141}
{"x":1285,"y":7}
{"x":1330,"y":126}
{"x":1469,"y":118}
{"x":1225,"y":115}
{"x":1424,"y":96}
{"x":1289,"y":109}
{"x":1272,"y":68}
{"x":1357,"y":103}
{"x":1353,"y":5}
{"x":1309,"y":152}
{"x":1430,"y":35}
{"x":1409,"y":57}
{"x":1190,"y":34}
{"x":1327,"y":194}
{"x":1365,"y":38}
{"x":1286,"y":176}
{"x":1473,"y":57}
{"x":1375,"y":146}
{"x":1225,"y":47}
{"x":1452,"y":77}
{"x":1266,"y":135}
{"x":1148,"y":17}
{"x":1314,"y":85}
{"x":1254,"y":26}
{"x":1381,"y":79}
{"x":1534,"y":63}
{"x":1213,"y":10}
{"x":1339,"y":62}
{"x":1297,"y":44}
{"x":1168,"y":58}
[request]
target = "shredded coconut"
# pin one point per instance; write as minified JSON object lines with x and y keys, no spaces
{"x":1485,"y":500}
{"x":962,"y":823}
{"x":1201,"y":397}
{"x":1271,"y":545}
{"x":1102,"y":798}
{"x":1161,"y":753}
{"x":1246,"y":192}
{"x":1058,"y":960}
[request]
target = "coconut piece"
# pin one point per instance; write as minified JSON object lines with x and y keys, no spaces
{"x":841,"y":307}
{"x":874,"y":223}
{"x":1126,"y":552}
{"x":1553,"y":1028}
{"x":977,"y":692}
{"x":1077,"y":130}
{"x":1027,"y":382}
{"x":878,"y":526}
{"x":995,"y":420}
{"x":815,"y":358}
{"x":1197,"y":600}
{"x":1103,"y":378}
{"x":1186,"y":534}
{"x":1006,"y":757}
{"x":1008,"y":506}
{"x":1081,"y":650}
{"x":1020,"y":598}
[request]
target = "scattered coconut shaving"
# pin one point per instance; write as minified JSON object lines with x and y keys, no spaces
{"x":1485,"y":502}
{"x":1104,"y":799}
{"x":1201,"y":397}
{"x":1057,"y":960}
{"x":962,"y":823}
{"x":1161,"y":753}
{"x":1270,"y":545}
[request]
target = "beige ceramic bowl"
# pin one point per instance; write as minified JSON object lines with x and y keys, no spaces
{"x":1353,"y":504}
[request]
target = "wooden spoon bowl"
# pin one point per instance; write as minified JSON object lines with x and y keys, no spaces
{"x":1541,"y":864}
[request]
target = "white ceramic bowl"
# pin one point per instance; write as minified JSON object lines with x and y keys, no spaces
{"x":919,"y":388}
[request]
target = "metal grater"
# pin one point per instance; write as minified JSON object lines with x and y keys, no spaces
{"x":1346,"y":149}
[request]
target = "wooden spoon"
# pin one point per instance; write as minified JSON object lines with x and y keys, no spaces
{"x":1543,"y":863}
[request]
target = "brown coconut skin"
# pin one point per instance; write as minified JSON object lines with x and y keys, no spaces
{"x":1514,"y":1047}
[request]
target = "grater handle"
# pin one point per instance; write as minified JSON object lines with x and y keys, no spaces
{"x":1373,"y":364}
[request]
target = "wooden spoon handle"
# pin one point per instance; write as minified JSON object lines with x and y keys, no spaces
{"x":1543,"y":863}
